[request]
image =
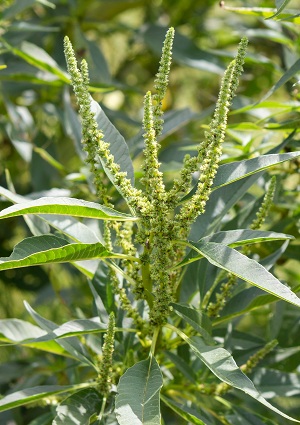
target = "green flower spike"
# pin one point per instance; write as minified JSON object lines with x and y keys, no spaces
{"x":161,"y":81}
{"x":153,"y":178}
{"x":98,"y":152}
{"x":105,"y":370}
{"x":210,"y":149}
{"x":265,"y":206}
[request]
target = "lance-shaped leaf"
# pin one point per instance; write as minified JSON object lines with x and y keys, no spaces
{"x":117,"y":145}
{"x":65,"y":206}
{"x":183,"y":412}
{"x":71,"y":345}
{"x":233,"y":171}
{"x":222,"y":365}
{"x":68,"y":225}
{"x":249,"y":270}
{"x":233,"y":238}
{"x":29,"y":395}
{"x":197,"y":319}
{"x":78,"y":408}
{"x":137,"y":401}
{"x":15,"y":331}
{"x":73,"y":328}
{"x":39,"y":58}
{"x":46,"y":249}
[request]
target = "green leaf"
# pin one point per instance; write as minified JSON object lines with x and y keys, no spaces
{"x":73,"y":328}
{"x":19,"y":330}
{"x":233,"y":238}
{"x":280,"y":5}
{"x":249,"y":270}
{"x":29,"y":395}
{"x":38,"y":225}
{"x":223,"y":366}
{"x":182,"y":366}
{"x":244,"y":302}
{"x":265,"y":12}
{"x":117,"y":145}
{"x":137,"y":401}
{"x":294,"y":69}
{"x":65,"y":206}
{"x":234,"y":171}
{"x":287,"y":106}
{"x":47,"y":249}
{"x":275,"y":383}
{"x":71,"y":345}
{"x":39,"y":58}
{"x":182,"y":412}
{"x":14,"y":331}
{"x":196,"y":318}
{"x":78,"y":408}
{"x":16,"y":8}
{"x":100,"y":307}
{"x":45,"y":419}
{"x":240,"y":237}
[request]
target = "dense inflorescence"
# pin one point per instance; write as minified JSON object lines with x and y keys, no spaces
{"x":163,"y":218}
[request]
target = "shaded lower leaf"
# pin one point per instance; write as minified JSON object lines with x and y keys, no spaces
{"x":73,"y":328}
{"x":71,"y":345}
{"x":182,"y":412}
{"x":78,"y":408}
{"x":196,"y":318}
{"x":273,"y":383}
{"x":222,"y":364}
{"x":137,"y":401}
{"x":29,"y":395}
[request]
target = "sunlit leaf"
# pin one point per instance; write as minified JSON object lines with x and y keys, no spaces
{"x":46,"y":249}
{"x":234,"y":238}
{"x":222,"y":364}
{"x":280,"y":5}
{"x":65,"y":206}
{"x":137,"y":401}
{"x":247,"y":269}
{"x":237,"y":170}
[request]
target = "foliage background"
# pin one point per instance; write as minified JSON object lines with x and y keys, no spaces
{"x":121,"y":40}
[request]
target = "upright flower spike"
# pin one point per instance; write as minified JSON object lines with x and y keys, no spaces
{"x":105,"y":370}
{"x":80,"y":82}
{"x":265,"y":206}
{"x":210,"y":150}
{"x":162,"y":80}
{"x":153,"y":178}
{"x":93,"y":141}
